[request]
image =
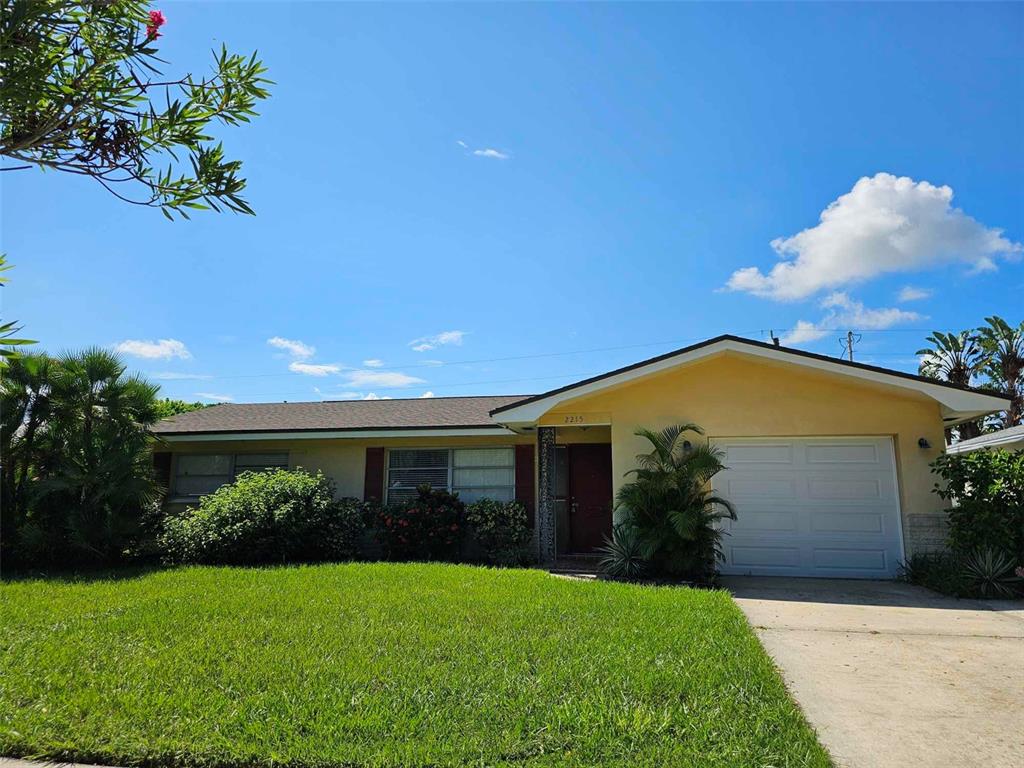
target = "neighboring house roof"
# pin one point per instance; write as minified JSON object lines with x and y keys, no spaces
{"x":958,"y":403}
{"x":349,"y":416}
{"x":1011,"y":438}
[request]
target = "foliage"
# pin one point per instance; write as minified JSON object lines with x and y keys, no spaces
{"x":980,"y":574}
{"x":622,"y":555}
{"x":986,"y":491}
{"x":428,"y":527}
{"x":990,"y":573}
{"x":82,"y":93}
{"x":8,"y":329}
{"x":78,"y":478}
{"x":166,"y":407}
{"x":671,"y":507}
{"x":428,"y":664}
{"x":991,"y":356}
{"x":266,"y":517}
{"x":1004,"y":363}
{"x":501,"y":528}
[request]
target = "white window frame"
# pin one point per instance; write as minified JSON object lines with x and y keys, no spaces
{"x":232,"y":474}
{"x":451,"y":464}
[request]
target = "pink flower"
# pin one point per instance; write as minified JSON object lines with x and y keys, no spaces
{"x":156,"y":20}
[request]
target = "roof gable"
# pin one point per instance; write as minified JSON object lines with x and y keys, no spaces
{"x":958,"y":403}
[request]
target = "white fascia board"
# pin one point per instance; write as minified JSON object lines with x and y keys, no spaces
{"x":956,"y":404}
{"x":362,"y":434}
{"x":996,"y":441}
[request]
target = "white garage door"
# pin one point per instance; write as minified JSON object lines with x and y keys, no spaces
{"x":811,"y":507}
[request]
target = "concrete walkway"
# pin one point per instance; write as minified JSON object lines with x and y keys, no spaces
{"x":895,"y":675}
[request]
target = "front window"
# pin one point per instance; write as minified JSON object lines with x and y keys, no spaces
{"x":473,"y":473}
{"x":197,"y":474}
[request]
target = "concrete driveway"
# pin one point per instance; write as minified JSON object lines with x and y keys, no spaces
{"x":895,"y":675}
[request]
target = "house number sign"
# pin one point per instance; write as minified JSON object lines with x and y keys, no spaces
{"x":575,"y":419}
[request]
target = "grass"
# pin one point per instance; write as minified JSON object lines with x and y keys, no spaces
{"x":387,"y":665}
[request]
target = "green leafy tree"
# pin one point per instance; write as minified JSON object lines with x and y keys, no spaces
{"x":1003,"y":346}
{"x":670,"y":506}
{"x":166,"y":407}
{"x":83,"y":93}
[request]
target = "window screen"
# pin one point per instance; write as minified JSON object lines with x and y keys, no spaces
{"x":473,"y":473}
{"x":197,"y":474}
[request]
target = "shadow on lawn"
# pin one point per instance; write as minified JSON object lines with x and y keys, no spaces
{"x":81,"y":575}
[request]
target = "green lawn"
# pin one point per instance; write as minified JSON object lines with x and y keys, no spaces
{"x":384,"y":665}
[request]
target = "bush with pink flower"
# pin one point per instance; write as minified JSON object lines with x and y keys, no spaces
{"x":428,"y":527}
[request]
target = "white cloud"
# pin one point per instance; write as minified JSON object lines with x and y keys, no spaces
{"x":373,"y":396}
{"x":912,"y":293}
{"x":433,"y":363}
{"x":847,"y":313}
{"x":428,"y":393}
{"x":292,"y":347}
{"x":314,"y":369}
{"x":426,"y":343}
{"x":373,"y":363}
{"x":462,"y":144}
{"x":884,"y":224}
{"x":215,"y":397}
{"x":164,"y":349}
{"x":492,"y":153}
{"x":386,"y":379}
{"x":173,"y":376}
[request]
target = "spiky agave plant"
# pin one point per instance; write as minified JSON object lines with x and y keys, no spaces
{"x":622,"y":555}
{"x":671,"y":506}
{"x":990,"y":573}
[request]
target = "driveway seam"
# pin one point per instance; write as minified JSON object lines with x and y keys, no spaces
{"x":883,"y":632}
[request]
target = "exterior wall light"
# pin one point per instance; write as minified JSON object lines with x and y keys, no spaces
{"x":687,"y":445}
{"x":923,"y":443}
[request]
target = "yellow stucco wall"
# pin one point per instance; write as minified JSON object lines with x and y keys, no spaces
{"x":343,"y":460}
{"x":739,"y":396}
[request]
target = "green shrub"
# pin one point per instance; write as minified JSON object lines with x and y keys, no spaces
{"x":983,"y":573}
{"x":986,"y":489}
{"x":428,"y":527}
{"x":500,"y":528}
{"x":266,"y":517}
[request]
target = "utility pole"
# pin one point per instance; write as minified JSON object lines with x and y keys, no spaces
{"x":847,"y":343}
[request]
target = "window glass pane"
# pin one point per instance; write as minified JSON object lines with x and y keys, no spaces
{"x":486,"y":478}
{"x":483,"y":457}
{"x":560,"y":477}
{"x":204,"y":464}
{"x":469,"y":495}
{"x":249,"y":462}
{"x":418,"y":458}
{"x":199,"y":485}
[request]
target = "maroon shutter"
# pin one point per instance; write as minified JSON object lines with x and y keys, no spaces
{"x":373,"y":481}
{"x":525,"y":486}
{"x":162,"y":469}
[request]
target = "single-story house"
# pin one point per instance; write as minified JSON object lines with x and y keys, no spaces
{"x":1009,"y":439}
{"x":827,"y":459}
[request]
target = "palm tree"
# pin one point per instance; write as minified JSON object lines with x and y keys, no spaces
{"x":956,"y":358}
{"x":1003,"y":345}
{"x":670,"y":506}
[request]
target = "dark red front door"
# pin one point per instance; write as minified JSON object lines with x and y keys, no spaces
{"x":590,"y":500}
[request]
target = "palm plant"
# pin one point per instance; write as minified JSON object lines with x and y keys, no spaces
{"x":990,"y":573}
{"x":1003,"y":346}
{"x":78,"y":470}
{"x":955,"y":358}
{"x":622,"y":555}
{"x":670,"y":506}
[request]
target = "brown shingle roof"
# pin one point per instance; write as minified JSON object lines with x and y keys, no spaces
{"x":416,"y":413}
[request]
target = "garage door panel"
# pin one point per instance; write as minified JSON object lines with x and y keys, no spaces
{"x":833,"y":511}
{"x":848,"y":521}
{"x":853,"y":453}
{"x":766,"y":557}
{"x":855,"y":559}
{"x":759,"y":453}
{"x":840,"y":488}
{"x":738,"y":486}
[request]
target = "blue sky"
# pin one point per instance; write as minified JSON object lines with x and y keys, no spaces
{"x":644,"y":159}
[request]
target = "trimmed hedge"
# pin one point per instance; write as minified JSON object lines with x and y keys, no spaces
{"x":500,"y":528}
